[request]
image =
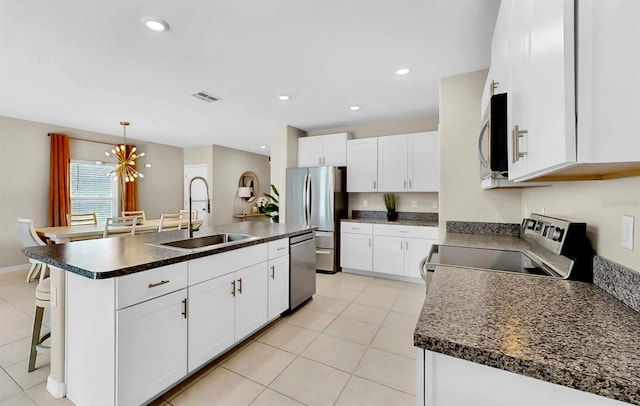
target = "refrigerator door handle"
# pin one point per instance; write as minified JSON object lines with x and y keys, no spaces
{"x":307,"y":198}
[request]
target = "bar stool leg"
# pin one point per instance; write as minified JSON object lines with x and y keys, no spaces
{"x":35,"y":337}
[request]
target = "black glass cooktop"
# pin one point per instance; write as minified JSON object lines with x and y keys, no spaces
{"x":492,"y":259}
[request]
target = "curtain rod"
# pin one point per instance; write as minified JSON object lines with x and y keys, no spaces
{"x":82,"y":139}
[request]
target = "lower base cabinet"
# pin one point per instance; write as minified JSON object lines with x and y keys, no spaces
{"x":131,"y":338}
{"x":144,"y":331}
{"x":448,"y":381}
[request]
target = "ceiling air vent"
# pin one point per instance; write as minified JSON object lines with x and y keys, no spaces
{"x":204,"y":96}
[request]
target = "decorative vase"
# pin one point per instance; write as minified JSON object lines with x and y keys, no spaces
{"x":392,"y":215}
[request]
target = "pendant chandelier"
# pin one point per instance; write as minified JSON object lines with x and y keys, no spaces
{"x":126,"y":167}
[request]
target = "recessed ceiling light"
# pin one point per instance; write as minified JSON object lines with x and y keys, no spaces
{"x":263,"y":146}
{"x":403,"y":71}
{"x":284,"y":97}
{"x":156,"y":25}
{"x":354,"y":108}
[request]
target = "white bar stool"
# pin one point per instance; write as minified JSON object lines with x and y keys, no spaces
{"x":43,"y":301}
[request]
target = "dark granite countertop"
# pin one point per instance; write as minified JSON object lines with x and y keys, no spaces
{"x":420,"y":223}
{"x":564,"y":332}
{"x":111,"y":257}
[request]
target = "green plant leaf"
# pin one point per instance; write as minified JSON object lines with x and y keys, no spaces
{"x":275,"y":200}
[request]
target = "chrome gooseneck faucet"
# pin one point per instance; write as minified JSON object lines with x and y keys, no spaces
{"x":190,"y":226}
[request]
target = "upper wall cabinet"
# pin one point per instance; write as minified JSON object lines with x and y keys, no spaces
{"x":408,"y":163}
{"x":559,"y":132}
{"x":323,"y":150}
{"x":498,"y":76}
{"x":362,"y":165}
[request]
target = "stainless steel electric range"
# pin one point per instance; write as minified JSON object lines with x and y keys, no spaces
{"x":558,"y":248}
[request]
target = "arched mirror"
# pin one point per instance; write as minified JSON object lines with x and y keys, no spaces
{"x":249,"y":180}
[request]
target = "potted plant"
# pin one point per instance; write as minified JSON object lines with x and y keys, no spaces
{"x":270,"y":208}
{"x":390,"y":201}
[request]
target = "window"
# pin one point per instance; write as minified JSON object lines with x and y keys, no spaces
{"x":92,"y":190}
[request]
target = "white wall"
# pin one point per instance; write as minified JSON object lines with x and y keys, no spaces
{"x":461,"y":197}
{"x":24,"y":161}
{"x":284,"y":154}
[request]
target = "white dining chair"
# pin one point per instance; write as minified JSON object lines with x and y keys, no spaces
{"x":185,"y":213}
{"x":29,"y":238}
{"x":170,"y":221}
{"x":43,"y":301}
{"x":119,"y":222}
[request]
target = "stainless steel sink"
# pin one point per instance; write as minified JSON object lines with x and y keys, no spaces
{"x":206,"y":242}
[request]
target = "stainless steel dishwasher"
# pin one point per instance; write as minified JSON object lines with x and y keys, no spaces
{"x":302,"y":268}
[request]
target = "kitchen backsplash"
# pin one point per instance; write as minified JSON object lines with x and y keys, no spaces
{"x":402,"y":215}
{"x":619,"y":281}
{"x":474,"y":227}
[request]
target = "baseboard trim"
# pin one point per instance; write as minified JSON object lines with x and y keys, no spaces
{"x":14,"y":268}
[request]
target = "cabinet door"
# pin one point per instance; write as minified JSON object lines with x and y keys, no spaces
{"x":356,"y":251}
{"x":251,"y":300}
{"x":388,"y":254}
{"x":424,"y":164}
{"x":362,"y":165}
{"x":334,"y":149}
{"x":392,"y":163}
{"x":211,"y":319}
{"x":278,"y":278}
{"x":543,"y":89}
{"x":309,"y":152}
{"x":415,"y":250}
{"x":151,"y":347}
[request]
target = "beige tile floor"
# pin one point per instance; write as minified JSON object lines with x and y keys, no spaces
{"x":350,"y":345}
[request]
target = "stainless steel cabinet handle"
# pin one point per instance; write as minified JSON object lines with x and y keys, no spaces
{"x":280,"y":248}
{"x":374,"y":185}
{"x":409,"y":183}
{"x":323,"y":160}
{"x":184,"y":307}
{"x":369,"y":241}
{"x":516,"y":135}
{"x":319,"y":160}
{"x":405,"y":184}
{"x":233,"y":288}
{"x":240,"y":285}
{"x":273,"y":272}
{"x":406,"y":245}
{"x":401,"y":245}
{"x":153,"y":285}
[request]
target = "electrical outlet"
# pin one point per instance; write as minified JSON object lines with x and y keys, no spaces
{"x":414,"y":204}
{"x":434,"y":205}
{"x":365,"y":203}
{"x":627,"y":232}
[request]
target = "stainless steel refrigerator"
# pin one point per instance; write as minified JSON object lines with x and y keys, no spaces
{"x":318,"y":197}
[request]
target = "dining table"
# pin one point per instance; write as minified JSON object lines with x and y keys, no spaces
{"x":63,"y":234}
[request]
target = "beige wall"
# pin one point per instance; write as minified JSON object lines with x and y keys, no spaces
{"x":601,"y":204}
{"x":24,"y":159}
{"x":425,"y":202}
{"x":228,"y":165}
{"x":284,"y":154}
{"x":461,"y":197}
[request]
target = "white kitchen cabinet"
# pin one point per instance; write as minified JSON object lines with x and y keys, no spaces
{"x":408,"y":163}
{"x":541,"y":106}
{"x":278,"y":278}
{"x":323,"y":150}
{"x":399,"y":249}
{"x":440,"y":378}
{"x":423,"y":164}
{"x":356,"y":246}
{"x":251,"y":300}
{"x":392,"y":163}
{"x":362,"y":165}
{"x":211,"y":319}
{"x":145,"y":332}
{"x":498,"y":76}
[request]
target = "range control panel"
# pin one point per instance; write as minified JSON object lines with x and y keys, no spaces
{"x":553,"y":233}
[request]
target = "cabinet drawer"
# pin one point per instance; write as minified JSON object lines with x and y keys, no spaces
{"x":406,"y":231}
{"x":203,"y":269}
{"x":356,"y":228}
{"x":278,"y":248}
{"x":141,"y":286}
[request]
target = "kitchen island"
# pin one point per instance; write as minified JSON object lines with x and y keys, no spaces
{"x":130,"y":318}
{"x":483,"y":336}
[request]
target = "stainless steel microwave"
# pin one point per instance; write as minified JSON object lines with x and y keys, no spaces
{"x":492,"y":140}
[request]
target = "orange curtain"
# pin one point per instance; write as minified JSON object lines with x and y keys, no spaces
{"x":130,"y":196}
{"x":59,"y":193}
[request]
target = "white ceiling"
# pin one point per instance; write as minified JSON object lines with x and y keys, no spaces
{"x":89,"y":64}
